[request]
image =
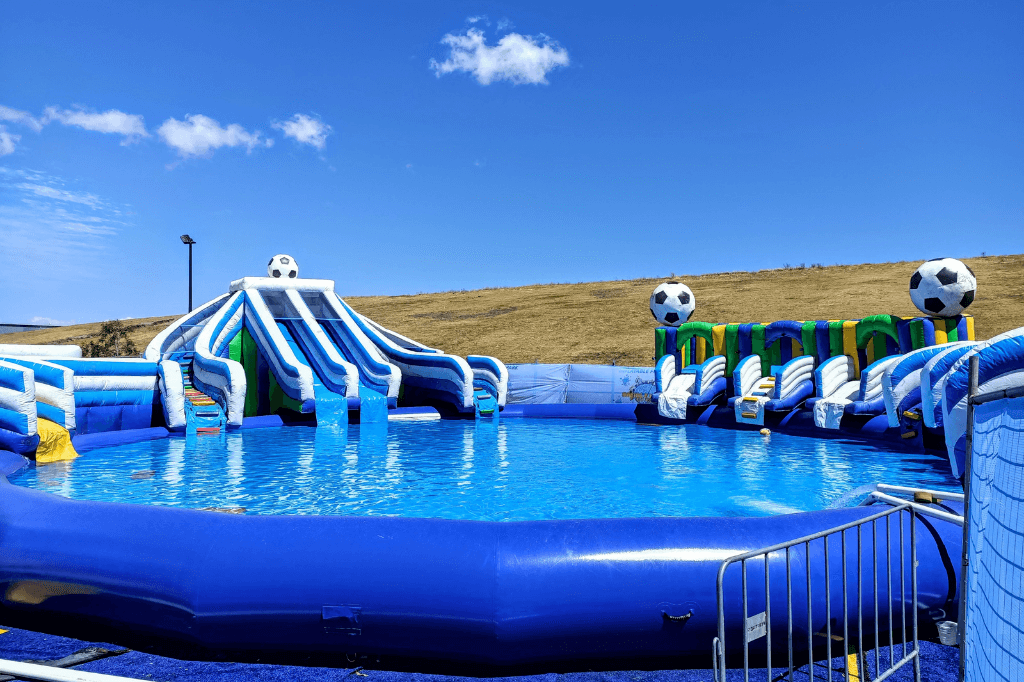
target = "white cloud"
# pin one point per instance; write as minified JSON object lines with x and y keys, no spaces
{"x":49,"y":320}
{"x":199,"y":135}
{"x":473,"y":20}
{"x":305,"y":130}
{"x":90,"y":200}
{"x":21,"y":117}
{"x":516,"y":58}
{"x":52,"y":231}
{"x":503,"y":24}
{"x":110,"y":121}
{"x":7,"y":141}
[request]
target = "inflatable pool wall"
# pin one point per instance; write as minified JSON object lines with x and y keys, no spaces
{"x":483,"y":592}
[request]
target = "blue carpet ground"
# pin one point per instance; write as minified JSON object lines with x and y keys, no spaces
{"x":938,"y":663}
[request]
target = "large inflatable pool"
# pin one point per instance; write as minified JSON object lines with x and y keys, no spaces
{"x":566,"y":592}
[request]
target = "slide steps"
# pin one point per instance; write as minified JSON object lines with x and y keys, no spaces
{"x":484,"y":402}
{"x":202,"y":413}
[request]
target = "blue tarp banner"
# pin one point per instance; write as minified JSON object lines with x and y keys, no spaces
{"x":995,"y":578}
{"x":590,"y":384}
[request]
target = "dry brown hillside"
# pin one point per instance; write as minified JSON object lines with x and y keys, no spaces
{"x":600,"y":322}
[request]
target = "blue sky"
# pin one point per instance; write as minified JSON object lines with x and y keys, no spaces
{"x":415,"y":147}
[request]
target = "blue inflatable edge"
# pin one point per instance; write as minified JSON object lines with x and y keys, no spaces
{"x":91,"y":441}
{"x":617,"y":411}
{"x":11,"y":462}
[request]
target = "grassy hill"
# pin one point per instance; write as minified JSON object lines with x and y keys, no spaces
{"x":598,"y":322}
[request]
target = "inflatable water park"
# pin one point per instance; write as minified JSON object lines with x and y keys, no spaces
{"x":281,"y":357}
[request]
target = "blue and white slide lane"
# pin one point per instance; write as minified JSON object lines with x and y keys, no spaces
{"x":901,"y":383}
{"x":447,"y":377}
{"x":55,"y":390}
{"x":375,"y":372}
{"x":330,"y":406}
{"x":220,"y":378}
{"x":933,"y":378}
{"x":335,"y":373}
{"x":1000,"y":368}
{"x":489,"y":374}
{"x":294,"y":377}
{"x":181,"y":335}
{"x":403,"y":341}
{"x":18,"y":416}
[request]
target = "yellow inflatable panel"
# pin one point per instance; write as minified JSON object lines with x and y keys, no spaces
{"x":850,"y":345}
{"x":970,"y":328}
{"x":718,"y":338}
{"x":701,"y":350}
{"x":54,"y":443}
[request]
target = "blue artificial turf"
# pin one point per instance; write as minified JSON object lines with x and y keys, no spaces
{"x":938,"y":664}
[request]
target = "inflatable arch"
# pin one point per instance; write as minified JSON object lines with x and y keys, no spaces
{"x":778,"y":333}
{"x":703,"y":341}
{"x":878,"y":336}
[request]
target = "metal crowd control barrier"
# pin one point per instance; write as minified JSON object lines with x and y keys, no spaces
{"x":759,"y":625}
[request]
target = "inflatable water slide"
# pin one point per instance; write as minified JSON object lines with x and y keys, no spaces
{"x":293,"y":343}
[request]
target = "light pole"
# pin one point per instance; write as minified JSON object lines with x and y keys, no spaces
{"x":185,"y":239}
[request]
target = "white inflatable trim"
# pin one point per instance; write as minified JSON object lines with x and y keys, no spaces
{"x":281,"y":284}
{"x":61,"y":397}
{"x":664,"y":371}
{"x":835,"y":373}
{"x":712,"y":369}
{"x":794,"y":373}
{"x":172,"y":394}
{"x":22,"y":402}
{"x":747,"y":375}
{"x":116,"y":383}
{"x":39,"y":351}
{"x":871,"y":380}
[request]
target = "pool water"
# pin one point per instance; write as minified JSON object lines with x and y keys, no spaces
{"x":508,"y":470}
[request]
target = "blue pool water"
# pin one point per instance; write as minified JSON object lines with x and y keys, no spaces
{"x":512,"y":470}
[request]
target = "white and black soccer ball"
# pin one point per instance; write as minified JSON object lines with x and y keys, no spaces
{"x":943,"y":287}
{"x":672,"y":303}
{"x":282,"y":265}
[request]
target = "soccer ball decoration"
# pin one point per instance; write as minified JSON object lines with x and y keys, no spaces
{"x":282,"y":266}
{"x":672,"y":303}
{"x":943,"y":287}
